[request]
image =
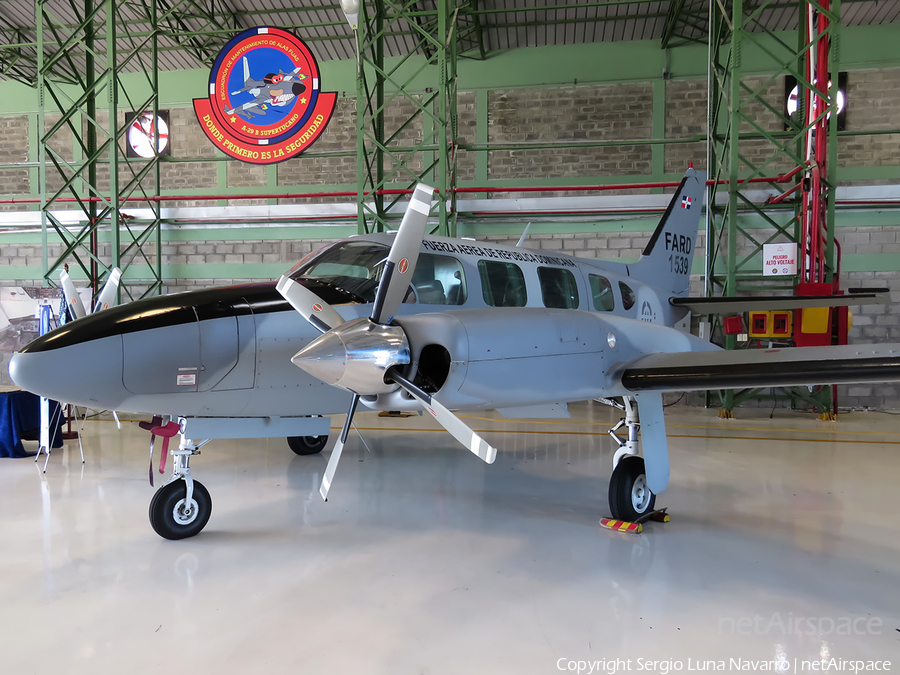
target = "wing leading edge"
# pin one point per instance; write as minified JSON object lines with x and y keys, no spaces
{"x":794,"y":366}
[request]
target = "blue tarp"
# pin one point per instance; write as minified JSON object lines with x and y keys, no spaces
{"x":20,"y":417}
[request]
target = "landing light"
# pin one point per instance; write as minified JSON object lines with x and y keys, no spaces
{"x":611,"y":339}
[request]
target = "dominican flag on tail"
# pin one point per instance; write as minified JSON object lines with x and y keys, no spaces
{"x":666,"y":262}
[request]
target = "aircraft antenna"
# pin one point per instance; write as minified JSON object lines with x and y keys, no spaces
{"x":524,"y":234}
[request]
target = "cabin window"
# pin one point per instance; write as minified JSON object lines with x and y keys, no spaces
{"x":601,"y":289}
{"x":438,"y":280}
{"x":502,"y":284}
{"x":558,"y":288}
{"x":627,"y":295}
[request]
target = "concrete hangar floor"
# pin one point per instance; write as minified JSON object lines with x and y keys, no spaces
{"x":783,"y":553}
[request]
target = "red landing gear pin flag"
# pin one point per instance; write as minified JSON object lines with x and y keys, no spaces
{"x":264,"y":104}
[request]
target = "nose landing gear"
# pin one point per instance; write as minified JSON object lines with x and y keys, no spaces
{"x":182,"y":507}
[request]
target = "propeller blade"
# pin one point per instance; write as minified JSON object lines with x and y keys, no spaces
{"x":107,"y":296}
{"x":331,"y":467}
{"x":401,"y":261}
{"x":73,"y":300}
{"x":455,"y":426}
{"x":320,"y":314}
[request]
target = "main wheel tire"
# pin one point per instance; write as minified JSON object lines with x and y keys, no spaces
{"x":307,"y":445}
{"x":629,"y":496}
{"x":168,"y":515}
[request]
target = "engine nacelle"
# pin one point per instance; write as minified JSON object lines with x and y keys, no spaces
{"x":503,"y":357}
{"x":523,"y":356}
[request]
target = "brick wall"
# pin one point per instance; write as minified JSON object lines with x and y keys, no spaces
{"x":466,"y":162}
{"x":586,"y":113}
{"x":238,"y":251}
{"x":685,"y":117}
{"x":15,"y":181}
{"x":308,"y":170}
{"x":873,"y":105}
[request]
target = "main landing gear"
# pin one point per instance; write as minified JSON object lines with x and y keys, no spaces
{"x":630,"y":498}
{"x":307,"y":445}
{"x":181,"y":507}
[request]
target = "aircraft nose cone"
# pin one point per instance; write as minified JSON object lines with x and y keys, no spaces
{"x":86,"y":373}
{"x":33,"y":372}
{"x":324,"y":358}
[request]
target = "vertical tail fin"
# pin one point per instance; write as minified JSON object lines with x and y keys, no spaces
{"x":666,"y":260}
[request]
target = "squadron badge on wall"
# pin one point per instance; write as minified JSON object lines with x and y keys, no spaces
{"x":264,"y":103}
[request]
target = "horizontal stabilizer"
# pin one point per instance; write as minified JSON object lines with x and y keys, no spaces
{"x":790,"y":367}
{"x":773,"y":302}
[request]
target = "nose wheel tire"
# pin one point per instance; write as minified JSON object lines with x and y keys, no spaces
{"x":307,"y":445}
{"x":171,"y":518}
{"x":629,"y":496}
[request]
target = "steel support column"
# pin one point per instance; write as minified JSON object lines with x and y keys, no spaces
{"x":93,"y":169}
{"x":404,"y":137}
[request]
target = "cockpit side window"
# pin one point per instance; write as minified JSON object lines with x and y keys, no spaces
{"x":627,"y":295}
{"x":502,"y":284}
{"x":558,"y":288}
{"x":353,"y":266}
{"x":601,"y":289}
{"x":439,"y":280}
{"x":356,"y":267}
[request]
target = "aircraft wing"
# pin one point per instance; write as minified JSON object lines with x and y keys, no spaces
{"x":868,"y":296}
{"x":790,"y":367}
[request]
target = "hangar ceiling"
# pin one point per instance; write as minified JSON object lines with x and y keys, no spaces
{"x":192,"y":32}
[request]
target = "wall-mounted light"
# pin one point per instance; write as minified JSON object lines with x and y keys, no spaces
{"x":144,"y":133}
{"x":792,"y":95}
{"x":350,"y":8}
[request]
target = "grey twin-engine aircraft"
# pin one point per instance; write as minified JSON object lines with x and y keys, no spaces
{"x":412,"y":322}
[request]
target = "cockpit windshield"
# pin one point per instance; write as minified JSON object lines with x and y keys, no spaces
{"x":353,"y":266}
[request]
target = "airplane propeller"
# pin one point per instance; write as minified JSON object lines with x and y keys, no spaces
{"x":105,"y":298}
{"x":320,"y":314}
{"x":364,"y":356}
{"x":73,"y":300}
